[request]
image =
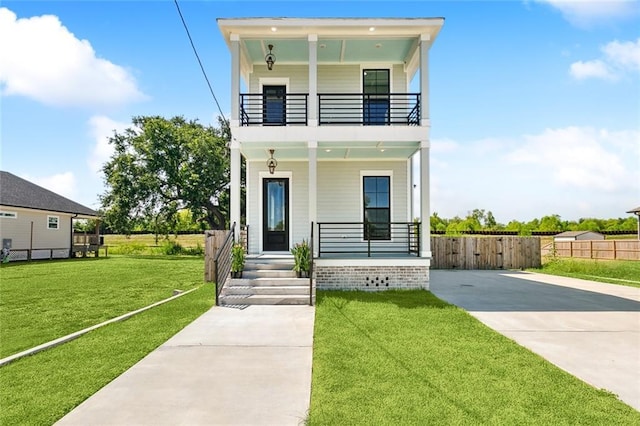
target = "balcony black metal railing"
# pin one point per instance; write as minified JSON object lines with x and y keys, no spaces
{"x":388,"y":239}
{"x":369,"y":110}
{"x":333,"y":109}
{"x":265,"y":110}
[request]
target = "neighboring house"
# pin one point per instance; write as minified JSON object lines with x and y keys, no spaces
{"x":329,"y":127}
{"x":36,"y":223}
{"x":578,"y":236}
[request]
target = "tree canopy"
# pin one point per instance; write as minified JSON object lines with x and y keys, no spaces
{"x":161,"y":167}
{"x":481,"y":220}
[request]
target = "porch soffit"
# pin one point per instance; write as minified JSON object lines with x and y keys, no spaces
{"x":340,"y":40}
{"x":331,"y":151}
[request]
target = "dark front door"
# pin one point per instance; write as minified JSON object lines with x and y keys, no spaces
{"x":375,"y":87}
{"x":275,"y":214}
{"x":274,"y":101}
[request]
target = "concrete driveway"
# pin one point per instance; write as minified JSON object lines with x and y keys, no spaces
{"x":589,"y":329}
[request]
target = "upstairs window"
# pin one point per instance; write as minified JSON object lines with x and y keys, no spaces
{"x":53,"y":222}
{"x":8,"y":215}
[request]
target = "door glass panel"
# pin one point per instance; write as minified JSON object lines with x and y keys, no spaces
{"x":276,"y":206}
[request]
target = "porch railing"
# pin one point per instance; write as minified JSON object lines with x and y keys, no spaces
{"x":369,"y":239}
{"x":259,"y":109}
{"x":222,"y":262}
{"x":369,"y":110}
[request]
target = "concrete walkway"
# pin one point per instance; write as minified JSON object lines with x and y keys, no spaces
{"x":228,"y":367}
{"x":589,"y":329}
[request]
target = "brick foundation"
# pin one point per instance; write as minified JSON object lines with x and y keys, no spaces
{"x":371,"y":278}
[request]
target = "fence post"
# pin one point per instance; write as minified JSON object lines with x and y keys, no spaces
{"x":615,"y":254}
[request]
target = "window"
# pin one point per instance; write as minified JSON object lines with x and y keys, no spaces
{"x":376,"y":88}
{"x":377,"y":207}
{"x":53,"y":222}
{"x":9,"y":215}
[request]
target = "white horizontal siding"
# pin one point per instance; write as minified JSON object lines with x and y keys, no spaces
{"x":339,"y":190}
{"x":298,"y":76}
{"x":339,"y":79}
{"x":19,"y":230}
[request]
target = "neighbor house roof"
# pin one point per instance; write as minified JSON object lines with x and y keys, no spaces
{"x":574,"y":233}
{"x":17,"y":192}
{"x":635,"y":211}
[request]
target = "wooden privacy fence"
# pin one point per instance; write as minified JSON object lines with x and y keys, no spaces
{"x":595,"y":249}
{"x":212,"y":242}
{"x":503,"y":252}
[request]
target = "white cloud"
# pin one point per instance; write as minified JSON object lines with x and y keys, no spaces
{"x":572,"y":171}
{"x":580,"y":158}
{"x":591,"y":69}
{"x":589,"y":13}
{"x":619,"y":58}
{"x":101,"y":129}
{"x":62,"y":183}
{"x":41,"y":59}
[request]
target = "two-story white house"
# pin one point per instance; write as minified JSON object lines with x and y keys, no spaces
{"x":323,"y":115}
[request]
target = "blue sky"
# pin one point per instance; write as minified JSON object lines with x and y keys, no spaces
{"x":535,"y":104}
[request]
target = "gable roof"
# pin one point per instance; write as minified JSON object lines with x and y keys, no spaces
{"x":635,"y":211}
{"x":575,"y":233}
{"x":17,"y":192}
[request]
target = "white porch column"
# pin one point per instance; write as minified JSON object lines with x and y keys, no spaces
{"x":235,"y":80}
{"x":313,"y":183}
{"x":312,"y":110}
{"x":235,"y":186}
{"x":425,"y":43}
{"x":425,"y":210}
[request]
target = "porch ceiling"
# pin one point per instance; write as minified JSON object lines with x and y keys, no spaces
{"x":332,"y":151}
{"x":296,"y":51}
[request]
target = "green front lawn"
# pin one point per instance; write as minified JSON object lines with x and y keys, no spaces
{"x":41,"y":301}
{"x":623,"y":272}
{"x":42,"y":388}
{"x":407,"y":358}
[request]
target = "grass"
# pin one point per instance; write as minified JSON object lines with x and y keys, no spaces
{"x":42,"y":388}
{"x":41,"y":301}
{"x":623,"y":272}
{"x":406,"y":357}
{"x":146,"y":243}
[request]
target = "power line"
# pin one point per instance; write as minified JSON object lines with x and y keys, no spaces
{"x":200,"y":62}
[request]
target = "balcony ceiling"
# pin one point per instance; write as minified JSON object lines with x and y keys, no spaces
{"x":330,"y":50}
{"x":332,"y":151}
{"x":340,"y":40}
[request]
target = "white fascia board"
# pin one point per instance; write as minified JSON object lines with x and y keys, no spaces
{"x":248,"y":134}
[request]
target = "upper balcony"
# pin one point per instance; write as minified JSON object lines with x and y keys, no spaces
{"x":286,"y":109}
{"x":319,"y":73}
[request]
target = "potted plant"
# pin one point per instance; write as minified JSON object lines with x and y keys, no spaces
{"x":237,"y":260}
{"x":301,"y":258}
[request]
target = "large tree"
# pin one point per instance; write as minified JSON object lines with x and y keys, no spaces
{"x":160,"y":167}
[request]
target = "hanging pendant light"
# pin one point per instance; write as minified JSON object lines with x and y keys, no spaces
{"x":271,"y":162}
{"x":270,"y":59}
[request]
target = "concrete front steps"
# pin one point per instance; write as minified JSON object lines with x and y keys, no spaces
{"x":266,"y":282}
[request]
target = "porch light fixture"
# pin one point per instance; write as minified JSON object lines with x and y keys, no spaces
{"x":270,"y":59}
{"x":271,"y":162}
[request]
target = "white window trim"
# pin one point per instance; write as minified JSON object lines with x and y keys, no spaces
{"x":375,"y":173}
{"x":57,"y":222}
{"x":266,"y":175}
{"x":8,"y":215}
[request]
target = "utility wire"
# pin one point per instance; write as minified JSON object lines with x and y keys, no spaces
{"x":200,"y":62}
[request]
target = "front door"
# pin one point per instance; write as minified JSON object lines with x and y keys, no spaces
{"x":274,"y":102}
{"x":275,"y":214}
